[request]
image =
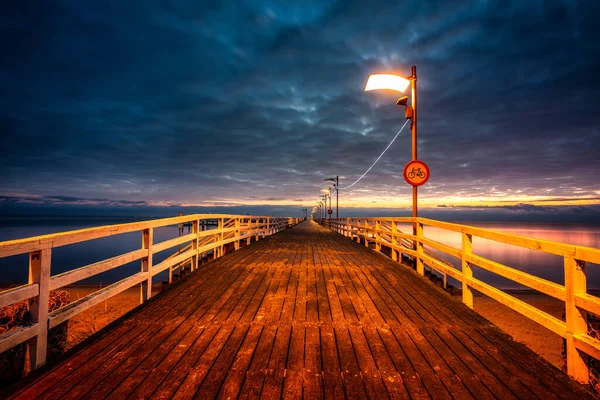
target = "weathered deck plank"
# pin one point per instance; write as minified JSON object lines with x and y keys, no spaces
{"x":305,"y":313}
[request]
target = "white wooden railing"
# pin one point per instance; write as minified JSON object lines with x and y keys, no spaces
{"x":229,"y":229}
{"x":384,"y":232}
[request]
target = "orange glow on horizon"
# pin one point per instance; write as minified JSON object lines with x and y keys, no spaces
{"x":370,"y":201}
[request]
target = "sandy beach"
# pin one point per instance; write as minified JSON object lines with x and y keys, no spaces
{"x":95,"y":318}
{"x":539,"y":339}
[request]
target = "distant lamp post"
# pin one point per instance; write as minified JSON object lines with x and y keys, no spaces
{"x":324,"y":197}
{"x":327,"y":192}
{"x":399,"y":84}
{"x":337,"y":193}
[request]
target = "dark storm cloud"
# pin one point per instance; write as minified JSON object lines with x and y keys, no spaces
{"x":202,"y":101}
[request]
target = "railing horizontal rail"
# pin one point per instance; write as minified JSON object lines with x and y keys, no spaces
{"x":17,"y":294}
{"x":541,"y":317}
{"x":167,"y":244}
{"x":17,"y":336}
{"x":541,"y":285}
{"x":82,"y":304}
{"x":79,"y":274}
{"x":560,"y":249}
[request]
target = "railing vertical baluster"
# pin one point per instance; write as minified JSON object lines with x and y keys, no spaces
{"x":377,"y":235}
{"x":394,"y":241}
{"x":146,"y":286}
{"x":249,"y":231}
{"x":420,"y":251}
{"x":269,"y":226}
{"x":348,"y":232}
{"x":237,"y":233}
{"x":220,"y":226}
{"x":258,"y":228}
{"x":39,"y":272}
{"x":196,"y":257}
{"x":366,"y":233}
{"x":576,"y":318}
{"x":467,"y":270}
{"x":357,"y":231}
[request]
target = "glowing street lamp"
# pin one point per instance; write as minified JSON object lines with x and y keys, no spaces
{"x":399,"y":84}
{"x":327,"y":192}
{"x":387,"y":81}
{"x":337,"y":193}
{"x":324,"y":197}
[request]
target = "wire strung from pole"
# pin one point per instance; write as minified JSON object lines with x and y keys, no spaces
{"x":381,"y":155}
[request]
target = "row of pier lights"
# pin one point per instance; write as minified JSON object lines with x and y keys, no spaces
{"x":418,"y":175}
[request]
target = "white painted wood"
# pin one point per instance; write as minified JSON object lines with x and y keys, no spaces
{"x":39,"y":272}
{"x":546,"y":320}
{"x":17,"y":336}
{"x":587,"y":344}
{"x":467,"y":269}
{"x":167,"y":244}
{"x":420,"y":252}
{"x":158,"y":268}
{"x":146,"y":267}
{"x":70,"y":310}
{"x":20,"y":293}
{"x":87,"y":271}
{"x":575,"y":283}
{"x":541,"y":285}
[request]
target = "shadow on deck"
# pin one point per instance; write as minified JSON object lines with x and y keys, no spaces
{"x":304,"y":313}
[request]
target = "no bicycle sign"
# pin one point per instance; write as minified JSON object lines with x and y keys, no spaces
{"x":416,"y":173}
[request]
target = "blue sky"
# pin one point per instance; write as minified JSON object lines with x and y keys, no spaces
{"x":252,"y":103}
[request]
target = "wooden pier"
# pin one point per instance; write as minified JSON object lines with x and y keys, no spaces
{"x":306,"y":313}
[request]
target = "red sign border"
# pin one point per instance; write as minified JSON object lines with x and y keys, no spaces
{"x":406,"y":175}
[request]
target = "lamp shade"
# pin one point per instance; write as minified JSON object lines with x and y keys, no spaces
{"x":387,"y":81}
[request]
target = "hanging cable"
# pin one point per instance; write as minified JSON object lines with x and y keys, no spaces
{"x":386,"y":149}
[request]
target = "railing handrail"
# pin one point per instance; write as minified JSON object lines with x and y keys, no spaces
{"x":579,"y":344}
{"x":230,"y":228}
{"x":52,"y":240}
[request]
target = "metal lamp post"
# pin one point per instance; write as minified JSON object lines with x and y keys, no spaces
{"x":337,"y":193}
{"x":399,"y":83}
{"x":327,"y":192}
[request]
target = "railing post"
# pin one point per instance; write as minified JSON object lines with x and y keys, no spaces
{"x":220,"y":225}
{"x":269,"y":226}
{"x":146,"y":286}
{"x":366,"y":233}
{"x":237,"y":234}
{"x":257,"y":233}
{"x":576,"y":319}
{"x":249,"y":231}
{"x":377,"y":235}
{"x":196,"y":256}
{"x":394,"y":241}
{"x":420,"y":252}
{"x":467,"y":269}
{"x":39,"y":272}
{"x":357,"y":231}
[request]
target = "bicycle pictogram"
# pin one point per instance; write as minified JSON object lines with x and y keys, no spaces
{"x":416,"y":172}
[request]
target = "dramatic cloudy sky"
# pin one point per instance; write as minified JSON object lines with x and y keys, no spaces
{"x":254,"y":102}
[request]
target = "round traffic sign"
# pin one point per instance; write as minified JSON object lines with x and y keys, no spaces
{"x":330,"y":211}
{"x":416,"y":173}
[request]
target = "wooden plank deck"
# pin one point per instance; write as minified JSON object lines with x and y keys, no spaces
{"x":304,"y":313}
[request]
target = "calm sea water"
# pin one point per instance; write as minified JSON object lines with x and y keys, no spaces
{"x":15,"y":269}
